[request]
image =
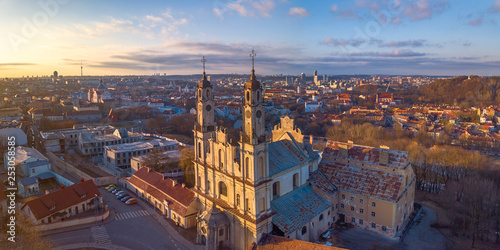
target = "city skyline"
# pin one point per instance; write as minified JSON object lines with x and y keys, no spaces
{"x":341,"y":37}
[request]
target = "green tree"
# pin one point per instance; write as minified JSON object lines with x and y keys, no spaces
{"x":186,"y":163}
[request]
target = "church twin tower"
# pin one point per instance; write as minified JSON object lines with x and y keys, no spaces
{"x":232,"y":178}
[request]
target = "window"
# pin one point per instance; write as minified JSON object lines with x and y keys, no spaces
{"x":247,"y":167}
{"x":341,"y":205}
{"x":373,"y":204}
{"x":258,"y":95}
{"x":248,"y":96}
{"x":374,"y":225}
{"x":352,"y":208}
{"x":296,"y":180}
{"x":361,"y":201}
{"x":328,"y":213}
{"x":247,"y":204}
{"x":343,"y":196}
{"x":352,"y":198}
{"x":238,"y":200}
{"x":262,"y":205}
{"x":304,"y":230}
{"x":373,"y":214}
{"x":221,"y":232}
{"x":276,"y":188}
{"x":33,"y":170}
{"x":222,"y":189}
{"x":384,"y":228}
{"x":353,"y":220}
{"x":321,"y":216}
{"x":361,"y":222}
{"x":261,"y":167}
{"x":221,"y":164}
{"x":361,"y":211}
{"x":208,"y":186}
{"x":199,"y":149}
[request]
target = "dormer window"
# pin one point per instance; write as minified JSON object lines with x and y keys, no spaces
{"x":52,"y":208}
{"x":83,"y":196}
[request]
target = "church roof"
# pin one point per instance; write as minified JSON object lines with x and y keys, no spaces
{"x":253,"y":84}
{"x":283,"y":155}
{"x":297,"y":208}
{"x":204,"y":83}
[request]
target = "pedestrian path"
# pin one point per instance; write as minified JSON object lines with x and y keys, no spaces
{"x":131,"y":214}
{"x":100,"y":235}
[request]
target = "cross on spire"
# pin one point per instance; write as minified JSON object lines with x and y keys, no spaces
{"x":203,"y":61}
{"x":253,"y":58}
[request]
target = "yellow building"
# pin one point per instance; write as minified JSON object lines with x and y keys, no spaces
{"x":375,"y":186}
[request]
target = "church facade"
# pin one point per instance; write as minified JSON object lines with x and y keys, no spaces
{"x":270,"y":181}
{"x":240,"y":181}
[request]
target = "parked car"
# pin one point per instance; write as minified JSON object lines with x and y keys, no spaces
{"x":116,"y":191}
{"x":112,"y":189}
{"x":119,"y":192}
{"x":125,"y":198}
{"x":131,"y":201}
{"x":110,"y":186}
{"x":121,"y":195}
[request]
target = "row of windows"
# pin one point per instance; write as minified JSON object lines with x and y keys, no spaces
{"x":360,"y":200}
{"x":384,"y":228}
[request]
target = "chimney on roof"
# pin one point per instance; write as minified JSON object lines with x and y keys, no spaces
{"x":174,"y":183}
{"x":384,"y":147}
{"x":47,"y":192}
{"x":383,"y":157}
{"x":350,"y":142}
{"x":311,"y":139}
{"x":344,"y":151}
{"x":183,"y":185}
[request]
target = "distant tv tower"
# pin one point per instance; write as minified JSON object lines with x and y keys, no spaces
{"x":81,"y":68}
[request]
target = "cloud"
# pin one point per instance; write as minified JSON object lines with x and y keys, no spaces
{"x":154,"y":19}
{"x":395,"y":53}
{"x":245,"y":8}
{"x":298,"y":11}
{"x":400,"y":10}
{"x":496,"y":7}
{"x":349,"y":42}
{"x":6,"y":66}
{"x":476,"y":22}
{"x":238,"y":8}
{"x":409,"y":43}
{"x":423,"y":9}
{"x":264,"y":7}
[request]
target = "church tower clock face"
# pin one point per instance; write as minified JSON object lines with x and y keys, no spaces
{"x":258,"y":114}
{"x":248,"y":114}
{"x":208,"y":107}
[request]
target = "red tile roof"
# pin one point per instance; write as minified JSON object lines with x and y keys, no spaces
{"x":397,"y":159}
{"x":63,"y":198}
{"x":179,"y":198}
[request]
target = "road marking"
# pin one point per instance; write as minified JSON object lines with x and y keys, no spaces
{"x":100,"y":235}
{"x":131,"y":214}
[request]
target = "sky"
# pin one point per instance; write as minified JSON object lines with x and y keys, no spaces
{"x":124,"y":37}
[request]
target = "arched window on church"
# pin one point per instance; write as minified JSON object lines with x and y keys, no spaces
{"x":258,"y":96}
{"x":222,"y":189}
{"x":261,"y":167}
{"x":208,"y":93}
{"x":199,"y":93}
{"x":304,"y":230}
{"x":238,"y":200}
{"x":247,"y":167}
{"x":248,"y":96}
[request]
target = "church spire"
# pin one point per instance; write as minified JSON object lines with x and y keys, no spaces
{"x":204,"y":74}
{"x":204,"y":83}
{"x":253,"y":65}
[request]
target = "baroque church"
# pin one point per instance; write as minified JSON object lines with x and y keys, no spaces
{"x":256,"y":184}
{"x":270,"y":182}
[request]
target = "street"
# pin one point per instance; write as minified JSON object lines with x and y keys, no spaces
{"x":133,"y":227}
